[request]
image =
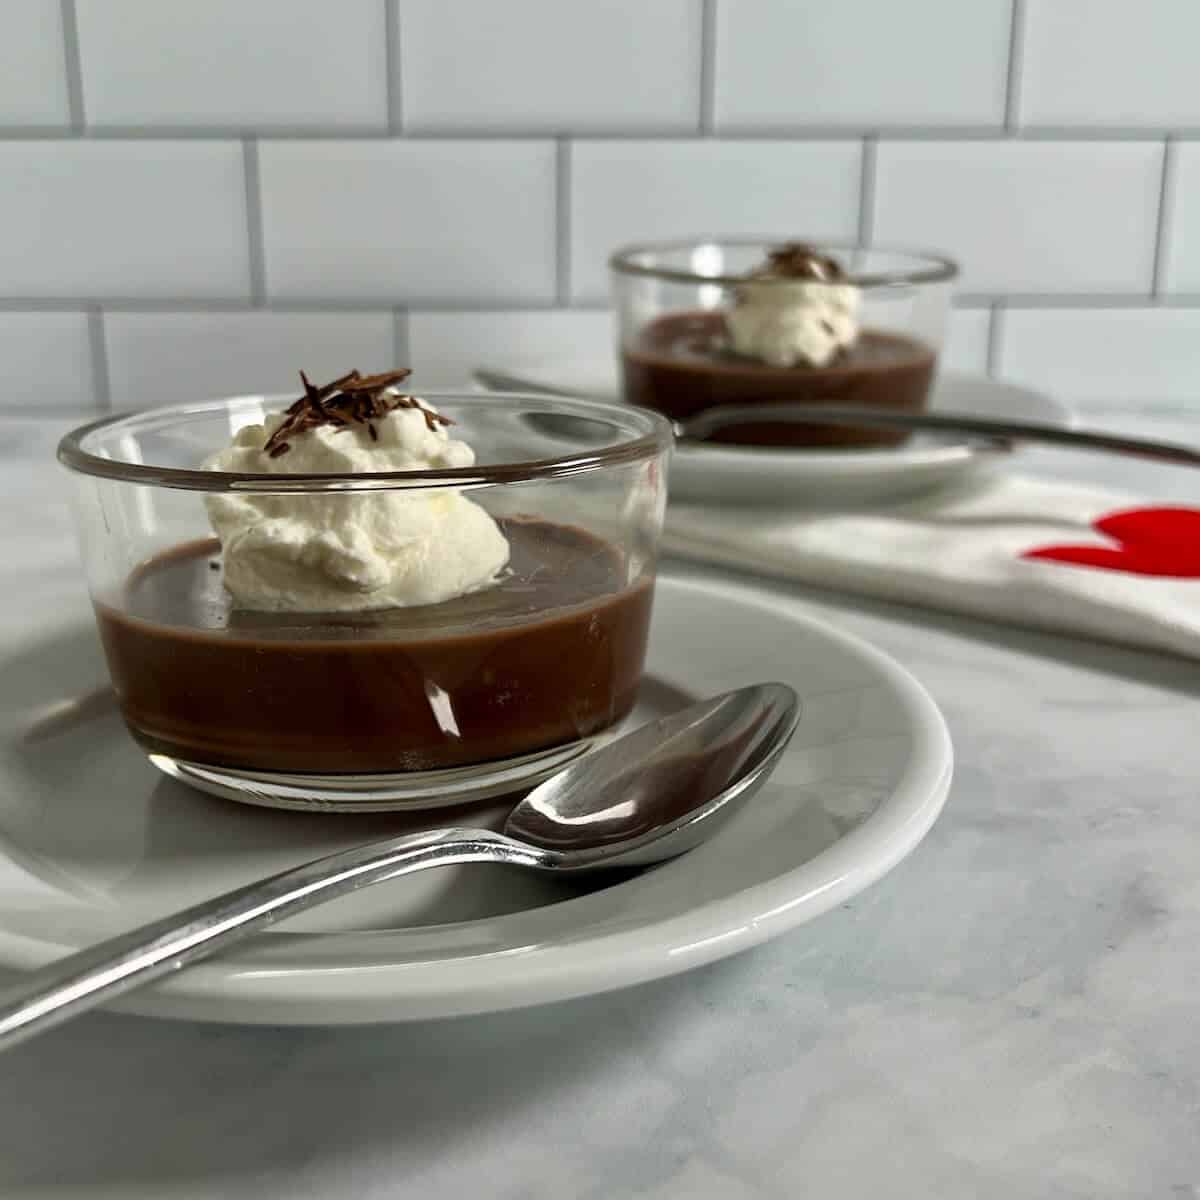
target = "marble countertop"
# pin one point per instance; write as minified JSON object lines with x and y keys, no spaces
{"x":1010,"y":1013}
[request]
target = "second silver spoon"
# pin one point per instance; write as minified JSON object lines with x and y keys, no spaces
{"x":999,"y":433}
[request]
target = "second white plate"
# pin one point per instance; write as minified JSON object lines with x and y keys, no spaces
{"x":755,"y":475}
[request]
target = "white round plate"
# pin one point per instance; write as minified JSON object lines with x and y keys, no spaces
{"x":93,"y":840}
{"x":754,"y":474}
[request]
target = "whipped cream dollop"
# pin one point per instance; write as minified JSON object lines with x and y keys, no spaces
{"x":794,"y":310}
{"x":346,"y":551}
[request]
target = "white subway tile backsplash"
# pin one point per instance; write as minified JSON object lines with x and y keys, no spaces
{"x":1181,"y":235}
{"x":783,"y":63}
{"x":444,"y":347}
{"x":1110,"y":62}
{"x":141,"y":219}
{"x":165,"y":358}
{"x":546,"y":65}
{"x":1108,"y":354}
{"x":625,"y":191}
{"x":478,"y":161}
{"x":45,"y":361}
{"x":1044,"y":217}
{"x":426,"y":221}
{"x":33,"y":77}
{"x":966,"y":346}
{"x":232,"y":63}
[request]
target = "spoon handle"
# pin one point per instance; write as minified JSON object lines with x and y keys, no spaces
{"x":708,"y":422}
{"x":80,"y":981}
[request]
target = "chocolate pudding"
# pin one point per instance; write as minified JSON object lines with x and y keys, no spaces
{"x":791,"y":334}
{"x":682,"y":363}
{"x":550,"y":653}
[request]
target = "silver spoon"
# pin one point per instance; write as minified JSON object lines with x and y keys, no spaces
{"x":999,"y":434}
{"x":643,"y":798}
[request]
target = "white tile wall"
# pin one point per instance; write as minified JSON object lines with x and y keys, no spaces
{"x":165,"y":358}
{"x":475,"y":162}
{"x":1181,"y":234}
{"x":1046,"y":217}
{"x":545,"y":65}
{"x":291,"y":62}
{"x":147,"y":219}
{"x":445,"y":346}
{"x":967,"y":334}
{"x":782,"y":63}
{"x":45,"y":361}
{"x":1111,"y":354}
{"x":1097,"y":62}
{"x":33,"y":76}
{"x":424,"y":221}
{"x":633,"y":191}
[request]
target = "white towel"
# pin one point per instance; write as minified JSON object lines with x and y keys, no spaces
{"x":1118,"y":570}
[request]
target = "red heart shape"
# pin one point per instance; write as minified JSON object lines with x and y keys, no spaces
{"x":1163,"y":542}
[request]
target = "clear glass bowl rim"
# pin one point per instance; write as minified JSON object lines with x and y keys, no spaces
{"x":936,"y":268}
{"x":656,"y":440}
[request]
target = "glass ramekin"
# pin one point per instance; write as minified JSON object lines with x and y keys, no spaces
{"x":404,"y":708}
{"x":671,"y":297}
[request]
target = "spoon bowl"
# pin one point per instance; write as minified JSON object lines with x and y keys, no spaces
{"x":655,"y":793}
{"x":645,"y":797}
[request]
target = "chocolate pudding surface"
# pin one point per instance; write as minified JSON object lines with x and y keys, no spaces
{"x":680,"y":364}
{"x":551,"y":653}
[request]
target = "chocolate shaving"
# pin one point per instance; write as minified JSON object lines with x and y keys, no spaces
{"x":798,"y":260}
{"x":352,"y":399}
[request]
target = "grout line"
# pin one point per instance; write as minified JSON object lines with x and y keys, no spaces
{"x":1016,"y":64}
{"x":790,"y":133}
{"x":401,"y":342}
{"x":254,"y":223}
{"x":395,"y":100}
{"x":708,"y":66}
{"x":70,"y":24}
{"x":198,"y":133}
{"x":661,"y":133}
{"x":143,"y":304}
{"x":1106,"y":133}
{"x":866,"y":191}
{"x":39,"y":133}
{"x":1185,"y":300}
{"x":115,"y":304}
{"x":101,"y":382}
{"x":1060,"y":300}
{"x":995,"y":339}
{"x":1166,"y":213}
{"x":1134,"y":302}
{"x":562,"y":221}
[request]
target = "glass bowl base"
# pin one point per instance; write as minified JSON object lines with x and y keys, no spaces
{"x":377,"y":792}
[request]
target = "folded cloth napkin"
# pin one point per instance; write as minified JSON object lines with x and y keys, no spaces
{"x":1025,"y":551}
